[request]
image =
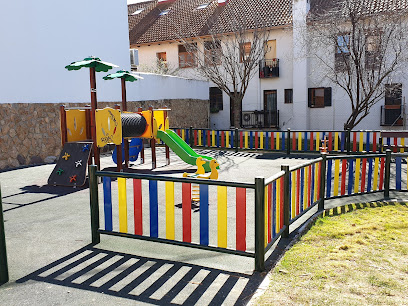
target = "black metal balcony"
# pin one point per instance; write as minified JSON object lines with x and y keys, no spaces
{"x":260,"y":119}
{"x":269,"y":68}
{"x":391,"y":115}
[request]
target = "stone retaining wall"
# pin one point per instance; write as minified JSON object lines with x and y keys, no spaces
{"x":30,"y":132}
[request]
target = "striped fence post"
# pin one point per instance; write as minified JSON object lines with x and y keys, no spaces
{"x":259,"y":224}
{"x":4,"y":276}
{"x":322,"y":181}
{"x":286,"y":201}
{"x":387,"y":174}
{"x":94,"y":202}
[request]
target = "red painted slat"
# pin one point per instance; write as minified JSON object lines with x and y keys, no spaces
{"x":272,"y":140}
{"x":209,"y":138}
{"x":195,"y":138}
{"x":319,"y":169}
{"x":137,"y":206}
{"x":354,"y":141}
{"x":395,"y":144}
{"x":241,"y":138}
{"x":309,"y":185}
{"x":256,"y":140}
{"x":375,"y":142}
{"x":186,"y":211}
{"x":269,"y":212}
{"x":241,"y":219}
{"x":222,"y":139}
{"x":294,"y":141}
{"x":363,"y":174}
{"x":330,"y":141}
{"x":311,"y":142}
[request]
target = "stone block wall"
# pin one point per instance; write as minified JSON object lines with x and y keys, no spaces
{"x":30,"y":132}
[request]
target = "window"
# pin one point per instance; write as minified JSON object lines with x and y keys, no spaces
{"x":288,"y":96}
{"x":244,"y":51}
{"x":161,"y":56}
{"x":372,"y":53}
{"x":393,"y":94}
{"x":342,"y":55}
{"x":138,"y":11}
{"x":216,"y":102}
{"x":134,"y":57}
{"x":212,"y":52}
{"x":320,"y":97}
{"x":187,"y":55}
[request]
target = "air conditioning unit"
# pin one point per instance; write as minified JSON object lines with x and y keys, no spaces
{"x":134,"y":58}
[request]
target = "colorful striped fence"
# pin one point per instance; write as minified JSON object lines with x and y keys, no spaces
{"x":160,"y":208}
{"x":286,"y":141}
{"x":4,"y":276}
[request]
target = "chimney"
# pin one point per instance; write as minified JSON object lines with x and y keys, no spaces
{"x":222,"y":2}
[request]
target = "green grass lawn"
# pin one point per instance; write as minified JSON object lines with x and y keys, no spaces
{"x":356,"y":258}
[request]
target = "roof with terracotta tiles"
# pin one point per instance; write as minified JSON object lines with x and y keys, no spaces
{"x":184,"y":20}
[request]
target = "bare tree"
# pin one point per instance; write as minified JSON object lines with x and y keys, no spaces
{"x":159,"y":67}
{"x":229,"y":60}
{"x":370,"y":50}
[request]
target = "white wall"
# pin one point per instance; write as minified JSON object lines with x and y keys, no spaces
{"x":158,"y":87}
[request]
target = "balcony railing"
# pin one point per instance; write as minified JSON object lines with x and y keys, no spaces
{"x":260,"y":119}
{"x":391,"y":115}
{"x":269,"y":68}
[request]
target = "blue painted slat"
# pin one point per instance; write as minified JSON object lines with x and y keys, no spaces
{"x":398,"y":173}
{"x":187,"y":135}
{"x":266,"y":143}
{"x":388,"y":141}
{"x":367,"y":141}
{"x":283,"y":141}
{"x":305,"y":142}
{"x":218,"y":139}
{"x":274,"y":209}
{"x":329,"y":178}
{"x":231,"y":139}
{"x":204,"y":223}
{"x":107,"y":202}
{"x":251,"y":143}
{"x":343,"y":141}
{"x":369,"y":174}
{"x":154,"y":209}
{"x":350,"y":176}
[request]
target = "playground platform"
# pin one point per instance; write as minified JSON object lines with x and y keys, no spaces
{"x":51,"y":261}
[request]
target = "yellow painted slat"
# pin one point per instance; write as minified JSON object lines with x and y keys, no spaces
{"x":222,"y":216}
{"x":170,"y":229}
{"x":375,"y":181}
{"x":183,"y":134}
{"x":261,"y":140}
{"x":227,"y":141}
{"x":357,"y":176}
{"x":316,"y":177}
{"x":266,"y":216}
{"x":213,"y":144}
{"x":336,"y":177}
{"x":336,"y":141}
{"x":306,"y":188}
{"x":123,"y":228}
{"x":402,"y":144}
{"x":300,"y":141}
{"x":361,"y":144}
{"x":318,"y":141}
{"x":277,"y":142}
{"x":199,"y":138}
{"x":246,"y":139}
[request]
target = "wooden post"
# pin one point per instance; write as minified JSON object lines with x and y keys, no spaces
{"x":124,"y":109}
{"x":119,"y":151}
{"x":94,"y":203}
{"x":94,"y":106}
{"x":166,"y":146}
{"x":63,"y":115}
{"x":153,"y":142}
{"x":142,"y":157}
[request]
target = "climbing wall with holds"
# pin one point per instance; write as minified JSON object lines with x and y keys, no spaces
{"x":70,"y":169}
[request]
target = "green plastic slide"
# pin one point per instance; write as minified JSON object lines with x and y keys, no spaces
{"x":182,"y":149}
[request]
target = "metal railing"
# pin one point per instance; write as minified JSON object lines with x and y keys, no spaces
{"x":391,"y":116}
{"x":269,"y":68}
{"x":260,"y":119}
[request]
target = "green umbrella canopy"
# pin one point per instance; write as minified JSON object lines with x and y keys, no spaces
{"x":123,"y":74}
{"x":91,"y":62}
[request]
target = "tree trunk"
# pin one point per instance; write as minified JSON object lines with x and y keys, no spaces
{"x":237,"y":109}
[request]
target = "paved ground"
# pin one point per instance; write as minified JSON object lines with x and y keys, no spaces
{"x":52,"y":263}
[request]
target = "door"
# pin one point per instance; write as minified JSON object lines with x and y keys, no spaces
{"x":270,"y":108}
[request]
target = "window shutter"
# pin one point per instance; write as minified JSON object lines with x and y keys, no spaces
{"x":309,"y":99}
{"x":327,"y":96}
